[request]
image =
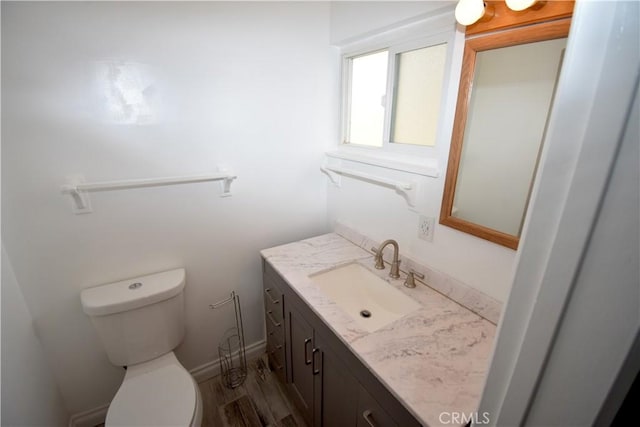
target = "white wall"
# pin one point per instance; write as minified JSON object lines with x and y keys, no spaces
{"x":380,"y":213}
{"x":351,"y":19}
{"x":247,"y":85}
{"x":30,"y":396}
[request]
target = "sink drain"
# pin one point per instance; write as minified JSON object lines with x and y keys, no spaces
{"x":365,"y":313}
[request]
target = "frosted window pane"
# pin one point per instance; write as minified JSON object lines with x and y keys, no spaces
{"x":368,"y":88}
{"x":418,"y":90}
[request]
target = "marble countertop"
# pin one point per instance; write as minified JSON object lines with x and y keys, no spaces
{"x":434,"y":360}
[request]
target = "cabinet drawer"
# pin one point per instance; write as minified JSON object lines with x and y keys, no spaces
{"x":275,"y":323}
{"x":270,"y":273}
{"x":275,"y":334}
{"x":273,"y":315}
{"x":273,"y":300}
{"x":276,"y":354}
{"x":370,"y":413}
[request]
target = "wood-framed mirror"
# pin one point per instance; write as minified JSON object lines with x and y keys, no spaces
{"x":506,"y":91}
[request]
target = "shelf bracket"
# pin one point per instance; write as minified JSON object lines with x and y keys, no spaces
{"x":408,"y":190}
{"x":333,"y":176}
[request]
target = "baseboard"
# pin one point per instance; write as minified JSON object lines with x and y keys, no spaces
{"x":211,"y":369}
{"x":200,"y":373}
{"x":89,"y":418}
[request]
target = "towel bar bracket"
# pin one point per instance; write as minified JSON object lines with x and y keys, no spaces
{"x":81,"y":203}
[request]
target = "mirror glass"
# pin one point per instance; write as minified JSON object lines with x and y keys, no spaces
{"x":506,"y":91}
{"x":512,"y":92}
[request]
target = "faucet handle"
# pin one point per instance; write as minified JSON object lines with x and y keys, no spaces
{"x":411,"y":278}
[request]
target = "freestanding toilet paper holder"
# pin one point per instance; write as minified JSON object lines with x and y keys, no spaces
{"x":231,"y":349}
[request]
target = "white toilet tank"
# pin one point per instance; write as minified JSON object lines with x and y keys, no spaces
{"x":138,"y":319}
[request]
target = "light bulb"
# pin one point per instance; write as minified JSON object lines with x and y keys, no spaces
{"x":519,"y":5}
{"x":469,"y":11}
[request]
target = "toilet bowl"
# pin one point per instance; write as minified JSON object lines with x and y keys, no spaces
{"x":159,"y":392}
{"x":140,"y":321}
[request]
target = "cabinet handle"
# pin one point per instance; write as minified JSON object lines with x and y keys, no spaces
{"x":307,"y":360}
{"x":276,"y":324}
{"x":273,"y":301}
{"x":313,"y":358}
{"x":368,"y":418}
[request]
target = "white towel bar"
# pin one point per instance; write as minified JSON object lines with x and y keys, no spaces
{"x":79,"y":190}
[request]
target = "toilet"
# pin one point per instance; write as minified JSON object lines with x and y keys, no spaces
{"x":140,"y":321}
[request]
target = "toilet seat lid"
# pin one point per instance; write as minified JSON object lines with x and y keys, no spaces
{"x":159,"y":397}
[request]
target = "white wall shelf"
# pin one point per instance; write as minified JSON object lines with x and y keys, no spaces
{"x":407,"y":190}
{"x":79,"y":190}
{"x":426,"y":167}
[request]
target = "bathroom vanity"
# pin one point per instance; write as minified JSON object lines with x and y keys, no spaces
{"x":408,"y":372}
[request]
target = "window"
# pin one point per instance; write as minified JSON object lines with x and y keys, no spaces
{"x":392,"y":95}
{"x":367,"y":95}
{"x":418,"y":89}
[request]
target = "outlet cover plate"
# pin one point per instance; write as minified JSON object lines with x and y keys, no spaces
{"x":426,"y":224}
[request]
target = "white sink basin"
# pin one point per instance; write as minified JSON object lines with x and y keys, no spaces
{"x":354,"y":289}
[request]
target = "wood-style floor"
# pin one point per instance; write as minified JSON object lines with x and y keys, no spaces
{"x":260,"y":401}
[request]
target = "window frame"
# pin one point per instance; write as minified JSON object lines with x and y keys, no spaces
{"x":395,"y":45}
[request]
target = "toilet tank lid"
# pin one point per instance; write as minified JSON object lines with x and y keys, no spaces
{"x":132,"y":293}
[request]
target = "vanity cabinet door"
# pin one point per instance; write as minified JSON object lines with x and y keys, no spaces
{"x":325,"y":391}
{"x":336,"y":387}
{"x":301,"y":370}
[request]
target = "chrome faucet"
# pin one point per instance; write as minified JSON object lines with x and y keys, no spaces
{"x":395,"y":264}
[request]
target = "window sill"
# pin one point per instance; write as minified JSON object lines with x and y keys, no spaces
{"x":425,"y":166}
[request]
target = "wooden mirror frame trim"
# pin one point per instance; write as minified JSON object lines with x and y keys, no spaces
{"x":529,"y":34}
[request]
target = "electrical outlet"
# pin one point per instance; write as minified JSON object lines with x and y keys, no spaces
{"x":426,"y":225}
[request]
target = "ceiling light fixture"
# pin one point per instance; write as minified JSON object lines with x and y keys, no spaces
{"x":518,"y":5}
{"x":469,"y":12}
